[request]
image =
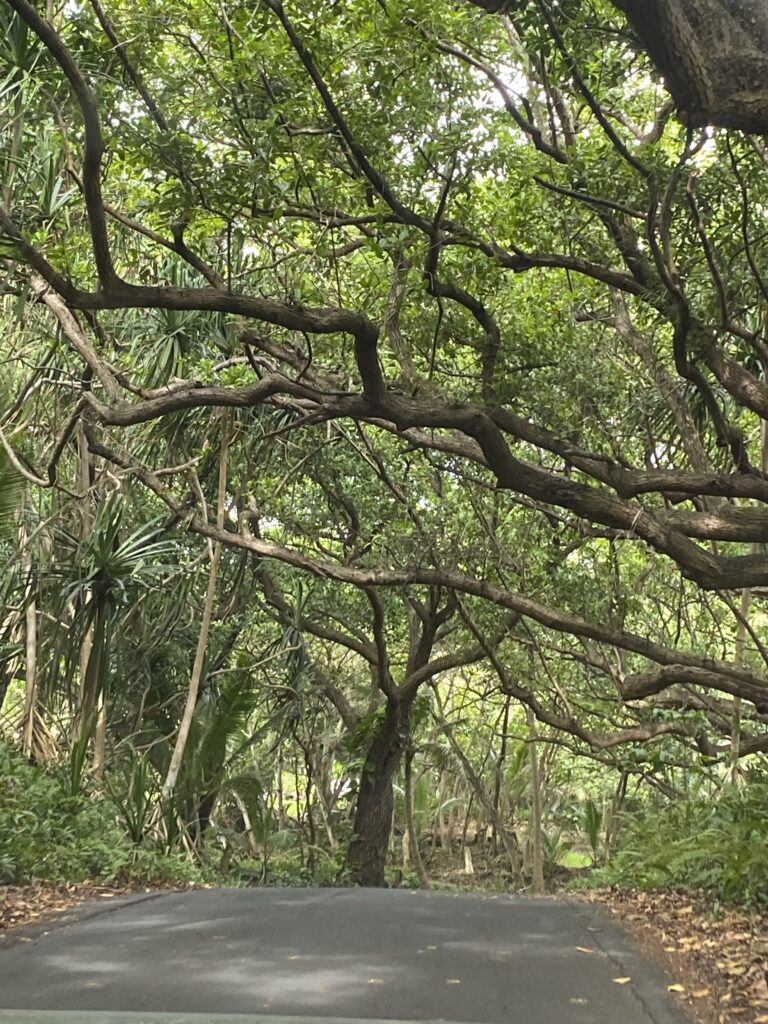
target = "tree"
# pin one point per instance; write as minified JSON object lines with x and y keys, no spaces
{"x":710,"y":52}
{"x":712,"y":55}
{"x":477,"y":255}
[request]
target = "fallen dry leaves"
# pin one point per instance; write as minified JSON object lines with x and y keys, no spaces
{"x":28,"y":904}
{"x":717,"y":957}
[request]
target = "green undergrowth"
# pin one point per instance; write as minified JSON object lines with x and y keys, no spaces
{"x":294,"y":870}
{"x":717,"y":846}
{"x":52,"y":829}
{"x":47,"y":833}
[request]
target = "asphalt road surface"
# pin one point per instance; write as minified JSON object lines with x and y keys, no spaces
{"x":347,"y":954}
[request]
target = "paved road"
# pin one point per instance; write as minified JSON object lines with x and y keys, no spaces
{"x":334,"y":953}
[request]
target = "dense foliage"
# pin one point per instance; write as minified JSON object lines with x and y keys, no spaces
{"x":717,"y":847}
{"x":383,"y":434}
{"x":49,"y":833}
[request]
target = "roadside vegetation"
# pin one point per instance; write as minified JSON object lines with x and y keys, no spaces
{"x":383,"y":453}
{"x":58,"y":825}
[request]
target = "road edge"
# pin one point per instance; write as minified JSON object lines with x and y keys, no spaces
{"x":74,"y":915}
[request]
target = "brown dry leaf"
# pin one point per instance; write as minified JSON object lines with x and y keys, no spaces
{"x":717,"y":954}
{"x":621,"y":981}
{"x":584,"y":949}
{"x":20,"y":904}
{"x":676,"y":987}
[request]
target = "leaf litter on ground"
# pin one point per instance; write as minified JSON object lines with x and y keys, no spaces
{"x":716,"y":957}
{"x":42,"y":901}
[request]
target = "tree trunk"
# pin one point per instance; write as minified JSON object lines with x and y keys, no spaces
{"x":499,"y":774}
{"x":85,"y":479}
{"x":199,"y":817}
{"x":713,"y":55}
{"x":93,"y":660}
{"x":30,"y":646}
{"x":537,"y":858}
{"x":205,"y":624}
{"x":367,"y":854}
{"x":100,"y":738}
{"x":414,"y":853}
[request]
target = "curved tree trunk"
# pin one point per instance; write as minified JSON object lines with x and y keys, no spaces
{"x":713,"y":55}
{"x":367,"y":853}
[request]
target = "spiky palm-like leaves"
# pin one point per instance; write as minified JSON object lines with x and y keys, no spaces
{"x":109,"y":571}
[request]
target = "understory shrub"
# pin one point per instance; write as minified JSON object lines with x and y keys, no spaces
{"x":718,"y":845}
{"x":47,"y":834}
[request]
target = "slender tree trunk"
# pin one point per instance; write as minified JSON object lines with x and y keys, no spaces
{"x":248,"y":826}
{"x":100,"y":738}
{"x":325,"y":798}
{"x":30,"y":677}
{"x":30,"y":648}
{"x":410,"y":824}
{"x":616,"y":804}
{"x":367,"y":854}
{"x":476,"y":783}
{"x":440,"y":826}
{"x":537,"y":858}
{"x":280,"y":797}
{"x":205,"y":624}
{"x":85,"y":480}
{"x":452,"y":818}
{"x":93,"y":651}
{"x":741,"y":635}
{"x":499,"y":775}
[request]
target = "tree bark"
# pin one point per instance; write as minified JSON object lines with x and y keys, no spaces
{"x":537,"y":858}
{"x":30,"y":646}
{"x":205,"y":623}
{"x":713,"y":55}
{"x":414,"y":853}
{"x":367,"y":854}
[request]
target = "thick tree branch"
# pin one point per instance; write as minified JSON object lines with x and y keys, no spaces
{"x":752,"y":685}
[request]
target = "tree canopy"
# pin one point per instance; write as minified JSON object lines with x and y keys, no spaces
{"x":439,"y":332}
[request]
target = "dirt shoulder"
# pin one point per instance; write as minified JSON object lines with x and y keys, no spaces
{"x":44,"y":901}
{"x":716,"y":958}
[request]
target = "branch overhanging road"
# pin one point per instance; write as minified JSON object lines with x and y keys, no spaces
{"x":230,"y":956}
